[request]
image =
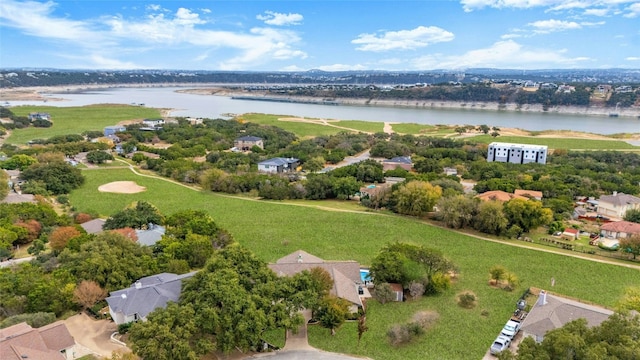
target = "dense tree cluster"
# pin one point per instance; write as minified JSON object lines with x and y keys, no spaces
{"x":227,"y":305}
{"x":406,"y":263}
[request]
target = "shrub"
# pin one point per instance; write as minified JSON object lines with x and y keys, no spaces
{"x":404,"y":333}
{"x":398,"y":334}
{"x":467,"y":300}
{"x":82,"y":218}
{"x":426,"y":319}
{"x":124,"y":328}
{"x":416,"y":289}
{"x":384,"y":293}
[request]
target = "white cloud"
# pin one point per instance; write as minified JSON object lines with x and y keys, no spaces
{"x":341,"y":67}
{"x":551,"y":5}
{"x":104,"y":40}
{"x":633,"y":58}
{"x":154,"y":7}
{"x":279,"y":19}
{"x":502,"y":54}
{"x":633,"y":10}
{"x":549,"y":26}
{"x":510,"y":36}
{"x":402,"y":40}
{"x":596,"y":12}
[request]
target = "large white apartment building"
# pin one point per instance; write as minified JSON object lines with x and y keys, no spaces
{"x":517,"y":153}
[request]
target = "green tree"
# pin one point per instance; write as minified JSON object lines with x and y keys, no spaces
{"x":98,"y":156}
{"x":417,"y":198}
{"x":497,"y":273}
{"x":456,"y":211}
{"x":345,"y":187}
{"x":111,"y":260}
{"x":332,"y":312}
{"x":170,"y":333}
{"x":319,"y":187}
{"x":632,"y":215}
{"x":137,"y":217}
{"x":490,"y":218}
{"x":631,"y":245}
{"x":314,"y":164}
{"x":58,"y":177}
{"x":527,"y":214}
{"x":4,"y":185}
{"x":19,"y":162}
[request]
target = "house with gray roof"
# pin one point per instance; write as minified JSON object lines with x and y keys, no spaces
{"x":151,"y":235}
{"x":145,"y":295}
{"x":403,"y":162}
{"x":278,"y":165}
{"x":49,"y":342}
{"x":93,"y":226}
{"x":617,"y":204}
{"x":553,"y":311}
{"x":245,"y":143}
{"x":347,"y":282}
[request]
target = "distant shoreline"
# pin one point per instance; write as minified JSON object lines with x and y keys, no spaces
{"x":38,"y":94}
{"x":633,"y":112}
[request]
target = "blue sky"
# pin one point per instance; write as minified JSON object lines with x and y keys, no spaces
{"x":328,"y":35}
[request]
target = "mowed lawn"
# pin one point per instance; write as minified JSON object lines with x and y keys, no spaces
{"x":75,"y":120}
{"x":272,"y":230}
{"x":560,"y":143}
{"x":312,"y":128}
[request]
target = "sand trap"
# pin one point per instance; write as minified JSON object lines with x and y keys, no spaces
{"x":122,"y":187}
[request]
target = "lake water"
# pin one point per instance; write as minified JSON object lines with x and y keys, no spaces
{"x":208,"y":106}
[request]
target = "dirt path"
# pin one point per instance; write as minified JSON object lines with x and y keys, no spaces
{"x":322,"y":122}
{"x":387,"y":129}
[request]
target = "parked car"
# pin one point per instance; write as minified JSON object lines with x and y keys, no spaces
{"x":500,"y":344}
{"x":511,"y":328}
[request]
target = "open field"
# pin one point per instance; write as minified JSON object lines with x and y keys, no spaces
{"x":75,"y":120}
{"x":272,"y":230}
{"x":560,"y":143}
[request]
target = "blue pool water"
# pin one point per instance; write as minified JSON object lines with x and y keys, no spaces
{"x":364,"y":275}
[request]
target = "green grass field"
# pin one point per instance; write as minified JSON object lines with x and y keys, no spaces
{"x":307,"y":129}
{"x":75,"y":120}
{"x":421,"y":129}
{"x":560,"y":143}
{"x":272,"y":230}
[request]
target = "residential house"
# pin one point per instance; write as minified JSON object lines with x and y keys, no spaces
{"x":517,"y":153}
{"x":603,"y":89}
{"x":111,"y":130}
{"x":619,"y":229}
{"x":570,"y":234}
{"x":245,"y":143}
{"x":147,"y":294}
{"x":278,"y":165}
{"x":347,"y":282}
{"x":93,"y":226}
{"x":449,"y":171}
{"x":151,"y":235}
{"x":374,"y":190}
{"x":49,"y":342}
{"x":617,"y":204}
{"x":552,"y":311}
{"x":532,"y":194}
{"x":403,"y":162}
{"x":39,"y":116}
{"x":153,"y":123}
{"x":499,"y":195}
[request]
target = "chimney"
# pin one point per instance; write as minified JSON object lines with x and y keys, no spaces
{"x":138,"y":284}
{"x":542,"y":298}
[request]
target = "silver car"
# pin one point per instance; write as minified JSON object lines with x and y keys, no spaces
{"x":499,"y":344}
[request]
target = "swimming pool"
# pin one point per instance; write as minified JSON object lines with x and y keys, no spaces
{"x":364,"y":275}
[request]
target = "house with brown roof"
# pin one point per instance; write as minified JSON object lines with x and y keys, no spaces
{"x":617,"y":204}
{"x":347,"y":283}
{"x":499,"y":195}
{"x":553,"y":311}
{"x":619,"y":229}
{"x":50,"y":342}
{"x":532,"y":194}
